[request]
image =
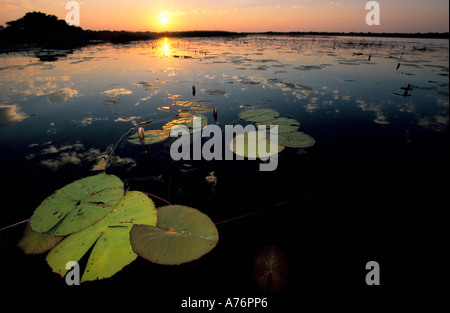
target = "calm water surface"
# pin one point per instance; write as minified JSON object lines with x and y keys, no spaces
{"x":370,"y":189}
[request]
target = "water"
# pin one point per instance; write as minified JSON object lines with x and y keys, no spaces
{"x":370,"y":189}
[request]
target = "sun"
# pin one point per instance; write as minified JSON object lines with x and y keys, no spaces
{"x":164,"y":19}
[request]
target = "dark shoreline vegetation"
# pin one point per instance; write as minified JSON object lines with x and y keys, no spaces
{"x":46,"y":31}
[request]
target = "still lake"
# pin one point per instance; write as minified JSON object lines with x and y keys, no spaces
{"x":374,"y":187}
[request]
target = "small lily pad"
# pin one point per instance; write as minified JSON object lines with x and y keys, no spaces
{"x":201,"y":109}
{"x":112,"y":101}
{"x":296,"y":140}
{"x":100,"y":165}
{"x":271,"y":269}
{"x":185,"y":103}
{"x":215,"y":92}
{"x":187,"y":119}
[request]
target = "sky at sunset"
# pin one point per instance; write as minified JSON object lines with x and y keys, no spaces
{"x":242,"y":15}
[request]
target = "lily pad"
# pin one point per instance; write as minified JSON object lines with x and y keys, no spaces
{"x":112,"y":250}
{"x":185,"y":103}
{"x":33,"y":242}
{"x":150,"y":137}
{"x":271,"y":269}
{"x":100,"y":165}
{"x":285,"y":125}
{"x":182,"y":234}
{"x":78,"y":204}
{"x":112,"y":101}
{"x":259,"y":115}
{"x":187,"y":119}
{"x":241,"y":145}
{"x":201,"y":109}
{"x":296,"y":140}
{"x":215,"y":92}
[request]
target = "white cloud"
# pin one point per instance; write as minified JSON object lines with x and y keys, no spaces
{"x":116,"y":92}
{"x":10,"y":114}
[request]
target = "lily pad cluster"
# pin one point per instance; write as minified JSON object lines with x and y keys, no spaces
{"x":158,"y":135}
{"x":288,"y":134}
{"x":94,"y":212}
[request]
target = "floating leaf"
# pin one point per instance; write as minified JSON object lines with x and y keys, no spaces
{"x":200,"y":109}
{"x":147,"y":85}
{"x":112,"y":101}
{"x":309,"y":67}
{"x":285,"y":125}
{"x":211,"y":178}
{"x":150,"y":137}
{"x":165,"y":108}
{"x":259,"y":115}
{"x":271,"y":269}
{"x":188,"y":104}
{"x":100,"y":165}
{"x":241,"y":145}
{"x":215,"y":92}
{"x":112,"y":250}
{"x":187,"y":119}
{"x":33,"y":242}
{"x":182,"y":234}
{"x":296,"y":140}
{"x":78,"y":204}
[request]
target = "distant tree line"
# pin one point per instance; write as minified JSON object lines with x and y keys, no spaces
{"x":48,"y":31}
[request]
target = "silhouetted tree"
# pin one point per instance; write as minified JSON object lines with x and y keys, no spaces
{"x":38,"y":27}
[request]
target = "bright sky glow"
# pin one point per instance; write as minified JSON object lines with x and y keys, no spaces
{"x":243,"y":15}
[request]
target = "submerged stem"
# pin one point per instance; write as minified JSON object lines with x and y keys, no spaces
{"x":115,"y":146}
{"x":18,"y":223}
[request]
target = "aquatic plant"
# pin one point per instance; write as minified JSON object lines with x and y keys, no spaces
{"x":271,"y":269}
{"x":288,"y":134}
{"x":95,"y":212}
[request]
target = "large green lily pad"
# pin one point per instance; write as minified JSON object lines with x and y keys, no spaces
{"x":112,"y":250}
{"x":244,"y":145}
{"x":33,"y":242}
{"x":259,"y":115}
{"x":182,"y":234}
{"x":296,"y":140}
{"x":78,"y":205}
{"x":150,"y":137}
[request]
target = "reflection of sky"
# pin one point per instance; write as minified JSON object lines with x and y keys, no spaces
{"x":64,"y":100}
